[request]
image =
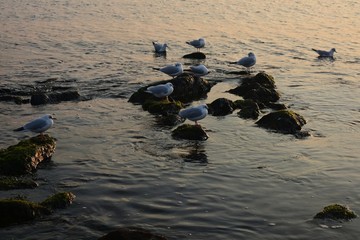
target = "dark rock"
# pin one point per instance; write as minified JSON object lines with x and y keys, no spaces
{"x":26,"y":155}
{"x":276,"y":106}
{"x":187,"y":88}
{"x":132,"y":233}
{"x":58,"y":200}
{"x":195,"y":55}
{"x":11,"y":182}
{"x":16,"y":99}
{"x":336,"y":212}
{"x":163,"y":107}
{"x":249,"y":109}
{"x":221,"y":107}
{"x":284,"y":121}
{"x":39,"y":99}
{"x":190,"y":132}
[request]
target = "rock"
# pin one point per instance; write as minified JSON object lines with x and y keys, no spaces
{"x":11,"y":182}
{"x":221,"y":107}
{"x":163,"y":107}
{"x":15,"y":99}
{"x":26,"y":155}
{"x":195,"y":55}
{"x":284,"y":121}
{"x":58,"y":200}
{"x":15,"y":211}
{"x":39,"y":99}
{"x":187,"y":88}
{"x":249,"y":109}
{"x":57,"y":97}
{"x":169,"y":120}
{"x":190,"y":132}
{"x":260,"y":88}
{"x":335,"y":212}
{"x":132,"y":233}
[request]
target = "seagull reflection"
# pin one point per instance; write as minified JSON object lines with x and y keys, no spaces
{"x":196,"y":154}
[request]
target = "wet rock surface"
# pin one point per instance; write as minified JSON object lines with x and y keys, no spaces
{"x":336,"y":212}
{"x":190,"y":132}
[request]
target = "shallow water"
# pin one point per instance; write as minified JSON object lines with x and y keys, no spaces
{"x":126,"y":170}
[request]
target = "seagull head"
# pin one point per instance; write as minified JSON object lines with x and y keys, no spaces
{"x":333,"y":50}
{"x":251,"y":54}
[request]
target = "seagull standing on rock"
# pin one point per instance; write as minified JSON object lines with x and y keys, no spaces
{"x":172,"y":70}
{"x":161,"y":90}
{"x":323,"y":53}
{"x":198,"y":43}
{"x":38,"y":125}
{"x":195,"y":113}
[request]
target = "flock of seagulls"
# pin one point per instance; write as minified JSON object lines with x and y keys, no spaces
{"x":194,"y":113}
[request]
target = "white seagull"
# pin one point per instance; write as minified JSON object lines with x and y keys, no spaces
{"x":172,"y":70}
{"x":161,"y":90}
{"x":323,"y":53}
{"x":198,"y":43}
{"x":38,"y":125}
{"x":159,"y":47}
{"x":194,"y":113}
{"x":248,"y":61}
{"x":199,"y":70}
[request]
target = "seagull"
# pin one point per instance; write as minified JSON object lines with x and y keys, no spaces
{"x":247,"y":62}
{"x":199,"y":43}
{"x":194,"y":113}
{"x":160,"y":48}
{"x":172,"y":70}
{"x":38,"y":125}
{"x":323,"y":53}
{"x":199,"y":70}
{"x":161,"y":90}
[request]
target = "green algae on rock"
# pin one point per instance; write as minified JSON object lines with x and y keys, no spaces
{"x":335,"y":212}
{"x":16,"y":211}
{"x":163,"y":107}
{"x":190,"y":132}
{"x":284,"y":121}
{"x":12,"y":182}
{"x":24,"y":157}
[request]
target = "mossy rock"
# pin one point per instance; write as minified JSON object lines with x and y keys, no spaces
{"x":249,"y":109}
{"x":15,"y":211}
{"x":284,"y":121}
{"x":58,"y":200}
{"x":132,"y":233}
{"x":163,"y":107}
{"x":190,"y":132}
{"x":11,"y":182}
{"x":24,"y":157}
{"x":336,"y":212}
{"x":221,"y":107}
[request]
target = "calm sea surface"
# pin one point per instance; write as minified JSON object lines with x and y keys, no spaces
{"x":244,"y":182}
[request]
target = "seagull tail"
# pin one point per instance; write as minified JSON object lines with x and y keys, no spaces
{"x":19,"y":129}
{"x":155,"y":68}
{"x":188,"y":43}
{"x":314,"y":49}
{"x":233,"y":62}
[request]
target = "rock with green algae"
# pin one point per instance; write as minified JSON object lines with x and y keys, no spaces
{"x":336,"y":212}
{"x":284,"y":121}
{"x":162,"y":107}
{"x":16,"y":211}
{"x":24,"y":157}
{"x":132,"y":233}
{"x":248,"y":109}
{"x":12,"y":182}
{"x":190,"y":132}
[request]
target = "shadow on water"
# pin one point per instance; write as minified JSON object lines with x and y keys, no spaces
{"x":195,"y":153}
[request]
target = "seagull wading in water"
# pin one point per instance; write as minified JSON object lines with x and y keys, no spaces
{"x":195,"y":113}
{"x":172,"y":70}
{"x":161,"y":90}
{"x":198,"y":43}
{"x":199,"y":70}
{"x":38,"y":125}
{"x":160,"y":48}
{"x":247,"y":62}
{"x":323,"y":53}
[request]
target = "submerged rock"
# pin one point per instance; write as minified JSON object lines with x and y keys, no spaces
{"x":15,"y":211}
{"x":132,"y":233}
{"x":195,"y":55}
{"x":57,"y":97}
{"x":11,"y":182}
{"x":284,"y":121}
{"x":221,"y":107}
{"x":249,"y":109}
{"x":26,"y":155}
{"x":190,"y":132}
{"x":335,"y":212}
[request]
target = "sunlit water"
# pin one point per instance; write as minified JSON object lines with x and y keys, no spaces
{"x":125,"y":169}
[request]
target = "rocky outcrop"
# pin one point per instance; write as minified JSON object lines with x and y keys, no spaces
{"x":336,"y":212}
{"x":132,"y":233}
{"x":26,"y":155}
{"x":190,"y":132}
{"x":12,"y":182}
{"x":248,"y":109}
